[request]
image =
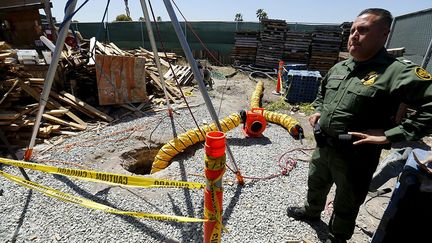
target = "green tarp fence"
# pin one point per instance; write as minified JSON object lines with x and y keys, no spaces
{"x":217,"y":36}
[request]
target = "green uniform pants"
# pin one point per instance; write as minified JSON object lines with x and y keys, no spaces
{"x":351,"y":169}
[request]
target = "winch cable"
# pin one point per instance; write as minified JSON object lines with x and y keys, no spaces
{"x":230,"y":155}
{"x":223,"y":92}
{"x":158,"y":65}
{"x":197,"y":37}
{"x":224,"y":88}
{"x":171,"y":68}
{"x":178,"y":85}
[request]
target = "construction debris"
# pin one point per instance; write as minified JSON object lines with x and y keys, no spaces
{"x":79,"y":87}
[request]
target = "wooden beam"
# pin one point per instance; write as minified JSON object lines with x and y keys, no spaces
{"x":51,"y":104}
{"x":63,"y":122}
{"x":88,"y":107}
{"x":162,"y":61}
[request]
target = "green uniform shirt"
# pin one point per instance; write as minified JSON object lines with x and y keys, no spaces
{"x":359,"y":96}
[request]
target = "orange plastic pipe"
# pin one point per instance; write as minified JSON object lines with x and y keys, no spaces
{"x":215,"y":159}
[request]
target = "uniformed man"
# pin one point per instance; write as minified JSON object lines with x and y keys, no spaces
{"x":206,"y":74}
{"x":359,"y":98}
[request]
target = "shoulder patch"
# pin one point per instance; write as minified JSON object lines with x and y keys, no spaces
{"x":422,"y":73}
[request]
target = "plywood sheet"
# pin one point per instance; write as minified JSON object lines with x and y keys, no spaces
{"x":120,"y":79}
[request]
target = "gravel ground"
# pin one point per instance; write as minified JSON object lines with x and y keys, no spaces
{"x":255,"y":212}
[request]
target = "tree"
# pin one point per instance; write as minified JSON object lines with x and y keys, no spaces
{"x":123,"y":17}
{"x":159,"y":19}
{"x":141,"y":19}
{"x":238,"y":17}
{"x":261,"y":14}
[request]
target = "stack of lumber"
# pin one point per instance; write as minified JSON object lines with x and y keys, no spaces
{"x":271,"y":47}
{"x":74,"y":94}
{"x":345,"y":26}
{"x":172,"y":91}
{"x":164,"y":59}
{"x":19,"y":105}
{"x":324,"y":50}
{"x":245,"y":47}
{"x":296,"y":47}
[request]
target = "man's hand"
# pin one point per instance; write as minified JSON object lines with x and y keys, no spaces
{"x":375,"y":136}
{"x":313,"y":119}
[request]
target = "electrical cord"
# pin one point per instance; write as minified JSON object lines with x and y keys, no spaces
{"x":377,"y":194}
{"x":286,"y":165}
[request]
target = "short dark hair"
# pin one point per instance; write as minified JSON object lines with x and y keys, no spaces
{"x":385,"y":16}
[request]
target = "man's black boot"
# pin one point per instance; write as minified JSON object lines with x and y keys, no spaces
{"x":299,"y":213}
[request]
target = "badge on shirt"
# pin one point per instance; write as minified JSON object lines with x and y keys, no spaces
{"x":369,"y":79}
{"x":422,"y":73}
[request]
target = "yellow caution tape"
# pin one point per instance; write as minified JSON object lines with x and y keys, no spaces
{"x":105,"y":177}
{"x":94,"y":205}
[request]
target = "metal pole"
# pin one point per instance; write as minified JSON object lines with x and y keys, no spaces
{"x":427,"y":55}
{"x":50,"y":76}
{"x":156,"y":58}
{"x":192,"y":62}
{"x":198,"y":77}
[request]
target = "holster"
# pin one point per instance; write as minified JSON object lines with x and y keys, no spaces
{"x":320,"y":137}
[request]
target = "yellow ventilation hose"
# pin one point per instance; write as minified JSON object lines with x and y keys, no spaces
{"x":256,"y":95}
{"x":289,"y":123}
{"x":191,"y":137}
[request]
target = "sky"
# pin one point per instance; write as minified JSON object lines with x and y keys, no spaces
{"x":304,"y":11}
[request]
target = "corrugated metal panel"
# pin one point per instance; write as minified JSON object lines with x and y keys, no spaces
{"x":414,"y":32}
